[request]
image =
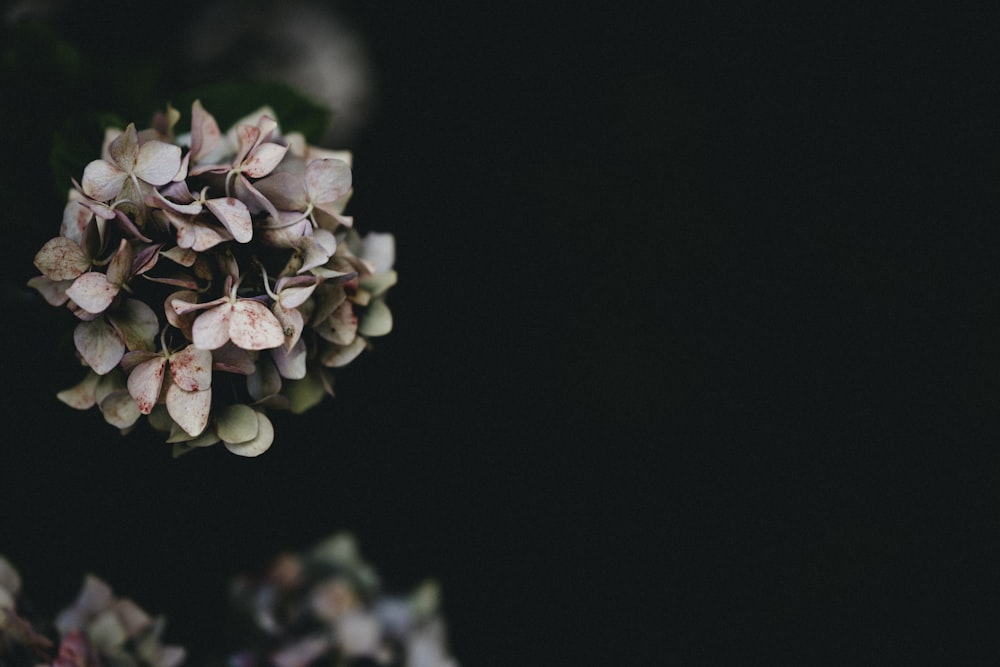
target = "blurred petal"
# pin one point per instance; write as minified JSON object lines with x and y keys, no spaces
{"x":291,"y":365}
{"x":265,"y":380}
{"x":158,"y":162}
{"x":341,"y":326}
{"x":376,"y":320}
{"x":53,"y":291}
{"x":380,"y":250}
{"x":120,"y":409}
{"x":264,"y":160}
{"x":205,"y":132}
{"x":136,"y":323}
{"x":343,"y":355}
{"x":327,"y":180}
{"x":82,"y":396}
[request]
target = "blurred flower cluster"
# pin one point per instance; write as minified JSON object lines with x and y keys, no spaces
{"x":97,"y":630}
{"x":324,"y":606}
{"x":320,"y":607}
{"x":214,"y":275}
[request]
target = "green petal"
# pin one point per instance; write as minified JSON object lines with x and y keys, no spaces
{"x":259,"y":444}
{"x":376,"y":320}
{"x":237,"y":424}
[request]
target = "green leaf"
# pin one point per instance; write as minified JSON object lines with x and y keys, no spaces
{"x":230,"y":101}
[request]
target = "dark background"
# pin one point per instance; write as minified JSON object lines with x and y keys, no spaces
{"x":695,"y":345}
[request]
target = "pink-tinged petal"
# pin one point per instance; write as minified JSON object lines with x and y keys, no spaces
{"x":341,"y":327}
{"x":286,"y":190}
{"x":191,"y":368}
{"x":291,"y":226}
{"x":199,"y":237}
{"x":190,"y":409}
{"x":205,"y":132}
{"x":235,"y":215}
{"x":158,"y":162}
{"x":343,"y":355}
{"x":145,"y":382}
{"x":119,"y":409}
{"x":53,"y":291}
{"x":327,"y":180}
{"x":264,"y":160}
{"x":291,"y":364}
{"x":182,"y":171}
{"x":328,"y":297}
{"x":136,"y":323}
{"x":99,"y":345}
{"x":120,"y":267}
{"x":211,"y":329}
{"x":253,"y":326}
{"x":76,"y":216}
{"x":82,"y":396}
{"x":181,"y":302}
{"x":61,"y":259}
{"x":175,"y":278}
{"x":231,"y":359}
{"x":329,"y":216}
{"x":259,"y":444}
{"x":92,"y":292}
{"x":253,"y":198}
{"x":125,"y":148}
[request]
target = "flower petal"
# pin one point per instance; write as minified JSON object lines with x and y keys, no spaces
{"x":61,"y":259}
{"x":120,"y":267}
{"x":258,"y":445}
{"x":235,"y":215}
{"x":237,"y":423}
{"x":136,"y":323}
{"x":380,"y":250}
{"x":99,"y":345}
{"x":190,"y":409}
{"x":82,"y":396}
{"x":291,"y":321}
{"x":341,"y":327}
{"x":158,"y":162}
{"x":264,"y":159}
{"x":102,"y":180}
{"x":92,"y":292}
{"x":205,"y":132}
{"x":291,"y":364}
{"x":343,"y":355}
{"x":376,"y":320}
{"x":53,"y":291}
{"x":119,"y":409}
{"x":145,"y":382}
{"x":191,"y":368}
{"x":327,"y":180}
{"x":253,"y":326}
{"x":286,"y":190}
{"x":124,"y":149}
{"x":211,"y":329}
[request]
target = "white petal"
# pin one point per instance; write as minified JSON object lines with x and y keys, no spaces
{"x":253,"y":326}
{"x":82,"y":396}
{"x":235,"y":215}
{"x":145,"y":382}
{"x":92,"y":292}
{"x":190,"y":409}
{"x":376,"y":320}
{"x":291,"y":365}
{"x":211,"y":329}
{"x":102,"y":180}
{"x":264,"y":160}
{"x":327,"y":180}
{"x":191,"y":368}
{"x":61,"y":259}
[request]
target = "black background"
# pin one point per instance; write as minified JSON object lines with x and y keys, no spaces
{"x":694,"y":357}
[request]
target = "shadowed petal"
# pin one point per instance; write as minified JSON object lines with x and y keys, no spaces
{"x":237,"y":423}
{"x":119,"y":409}
{"x":99,"y":345}
{"x":291,"y":365}
{"x":376,"y":320}
{"x":327,"y":180}
{"x":341,"y":356}
{"x":62,"y":259}
{"x":341,"y":327}
{"x":53,"y":291}
{"x":82,"y":396}
{"x":124,"y":149}
{"x":259,"y":444}
{"x":136,"y":323}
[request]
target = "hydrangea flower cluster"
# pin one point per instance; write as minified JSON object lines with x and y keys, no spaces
{"x":324,"y":606}
{"x":97,"y":630}
{"x":214,"y":276}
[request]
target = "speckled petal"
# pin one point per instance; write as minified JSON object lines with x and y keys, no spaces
{"x":253,"y":326}
{"x":211,"y":329}
{"x":191,"y":368}
{"x":92,"y":292}
{"x":190,"y":409}
{"x":145,"y":381}
{"x":99,"y":345}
